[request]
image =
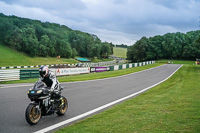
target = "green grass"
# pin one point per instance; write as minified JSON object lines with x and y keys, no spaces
{"x":172,"y":106}
{"x":120,"y":52}
{"x":9,"y":57}
{"x":90,"y":76}
{"x":176,"y":62}
{"x":95,"y":60}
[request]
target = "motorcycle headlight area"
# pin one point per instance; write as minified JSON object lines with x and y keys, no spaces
{"x":30,"y":90}
{"x":39,"y":91}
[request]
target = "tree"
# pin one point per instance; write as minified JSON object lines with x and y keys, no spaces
{"x":197,"y":45}
{"x":96,"y":50}
{"x":43,"y":48}
{"x":29,"y":41}
{"x":36,"y":38}
{"x":169,"y":46}
{"x":74,"y":53}
{"x":105,"y":50}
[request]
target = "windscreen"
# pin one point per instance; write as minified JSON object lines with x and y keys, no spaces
{"x":38,"y":85}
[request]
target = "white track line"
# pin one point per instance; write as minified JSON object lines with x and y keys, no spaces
{"x":100,"y":108}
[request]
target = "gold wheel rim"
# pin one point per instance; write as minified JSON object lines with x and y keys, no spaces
{"x":63,"y":106}
{"x":34,"y":117}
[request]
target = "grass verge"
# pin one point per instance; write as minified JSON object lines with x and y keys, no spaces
{"x":90,"y":76}
{"x":10,"y":57}
{"x":172,"y":106}
{"x":95,"y":60}
{"x":176,"y":62}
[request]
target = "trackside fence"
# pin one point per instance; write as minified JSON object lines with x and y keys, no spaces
{"x":29,"y":73}
{"x":20,"y":74}
{"x":6,"y":75}
{"x":70,"y":65}
{"x":131,"y":65}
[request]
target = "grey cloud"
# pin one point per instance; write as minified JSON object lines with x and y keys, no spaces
{"x":128,"y":19}
{"x":49,"y":4}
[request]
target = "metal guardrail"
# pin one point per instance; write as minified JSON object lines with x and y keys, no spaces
{"x":19,"y":74}
{"x":6,"y":75}
{"x":130,"y":65}
{"x":36,"y":66}
{"x":82,"y":64}
{"x":29,"y":73}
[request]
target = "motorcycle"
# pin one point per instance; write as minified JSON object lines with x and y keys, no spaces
{"x":44,"y":103}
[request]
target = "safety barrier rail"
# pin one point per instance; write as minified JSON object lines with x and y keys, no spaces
{"x":20,"y":74}
{"x":82,"y":64}
{"x":29,"y":73}
{"x":6,"y":75}
{"x":130,"y":65}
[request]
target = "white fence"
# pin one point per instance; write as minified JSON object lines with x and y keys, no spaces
{"x":6,"y":75}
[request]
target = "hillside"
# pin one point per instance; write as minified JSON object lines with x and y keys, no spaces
{"x":9,"y":57}
{"x":42,"y":39}
{"x":120,"y":52}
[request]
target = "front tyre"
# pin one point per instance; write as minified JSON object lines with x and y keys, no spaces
{"x":63,"y":106}
{"x":33,"y":114}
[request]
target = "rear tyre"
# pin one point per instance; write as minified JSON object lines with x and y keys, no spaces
{"x":63,"y":106}
{"x":33,"y":114}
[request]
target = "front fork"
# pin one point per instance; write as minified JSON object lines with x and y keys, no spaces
{"x":37,"y":106}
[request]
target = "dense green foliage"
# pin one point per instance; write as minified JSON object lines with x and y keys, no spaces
{"x":122,"y":46}
{"x":169,"y":46}
{"x":36,"y":38}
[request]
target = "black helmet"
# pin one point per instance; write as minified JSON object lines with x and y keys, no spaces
{"x":43,"y":71}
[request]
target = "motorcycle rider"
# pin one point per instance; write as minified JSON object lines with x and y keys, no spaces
{"x":49,"y":78}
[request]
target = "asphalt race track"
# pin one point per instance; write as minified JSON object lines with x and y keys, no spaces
{"x":82,"y":97}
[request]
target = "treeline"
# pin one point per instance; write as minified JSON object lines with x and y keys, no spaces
{"x":36,"y":38}
{"x":169,"y":46}
{"x":121,"y":45}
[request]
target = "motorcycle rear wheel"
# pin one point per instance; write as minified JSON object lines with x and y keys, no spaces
{"x":32,"y":114}
{"x":63,"y":106}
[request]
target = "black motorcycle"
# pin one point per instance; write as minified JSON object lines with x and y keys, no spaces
{"x":44,"y":102}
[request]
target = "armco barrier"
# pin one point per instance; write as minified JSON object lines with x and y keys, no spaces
{"x":18,"y":74}
{"x":111,"y":68}
{"x":36,"y":66}
{"x":83,"y":64}
{"x":29,"y":73}
{"x":120,"y":67}
{"x":127,"y":65}
{"x":124,"y":66}
{"x":6,"y":75}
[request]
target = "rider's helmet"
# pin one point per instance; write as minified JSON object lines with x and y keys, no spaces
{"x":44,"y":70}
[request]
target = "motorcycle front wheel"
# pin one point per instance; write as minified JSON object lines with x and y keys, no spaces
{"x":33,"y":114}
{"x":63,"y":106}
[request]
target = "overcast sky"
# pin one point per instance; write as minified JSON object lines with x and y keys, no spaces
{"x":116,"y":21}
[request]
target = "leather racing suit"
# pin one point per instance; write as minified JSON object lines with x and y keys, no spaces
{"x":51,"y":82}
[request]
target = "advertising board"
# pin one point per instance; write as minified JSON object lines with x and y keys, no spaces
{"x":71,"y":71}
{"x":99,"y":69}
